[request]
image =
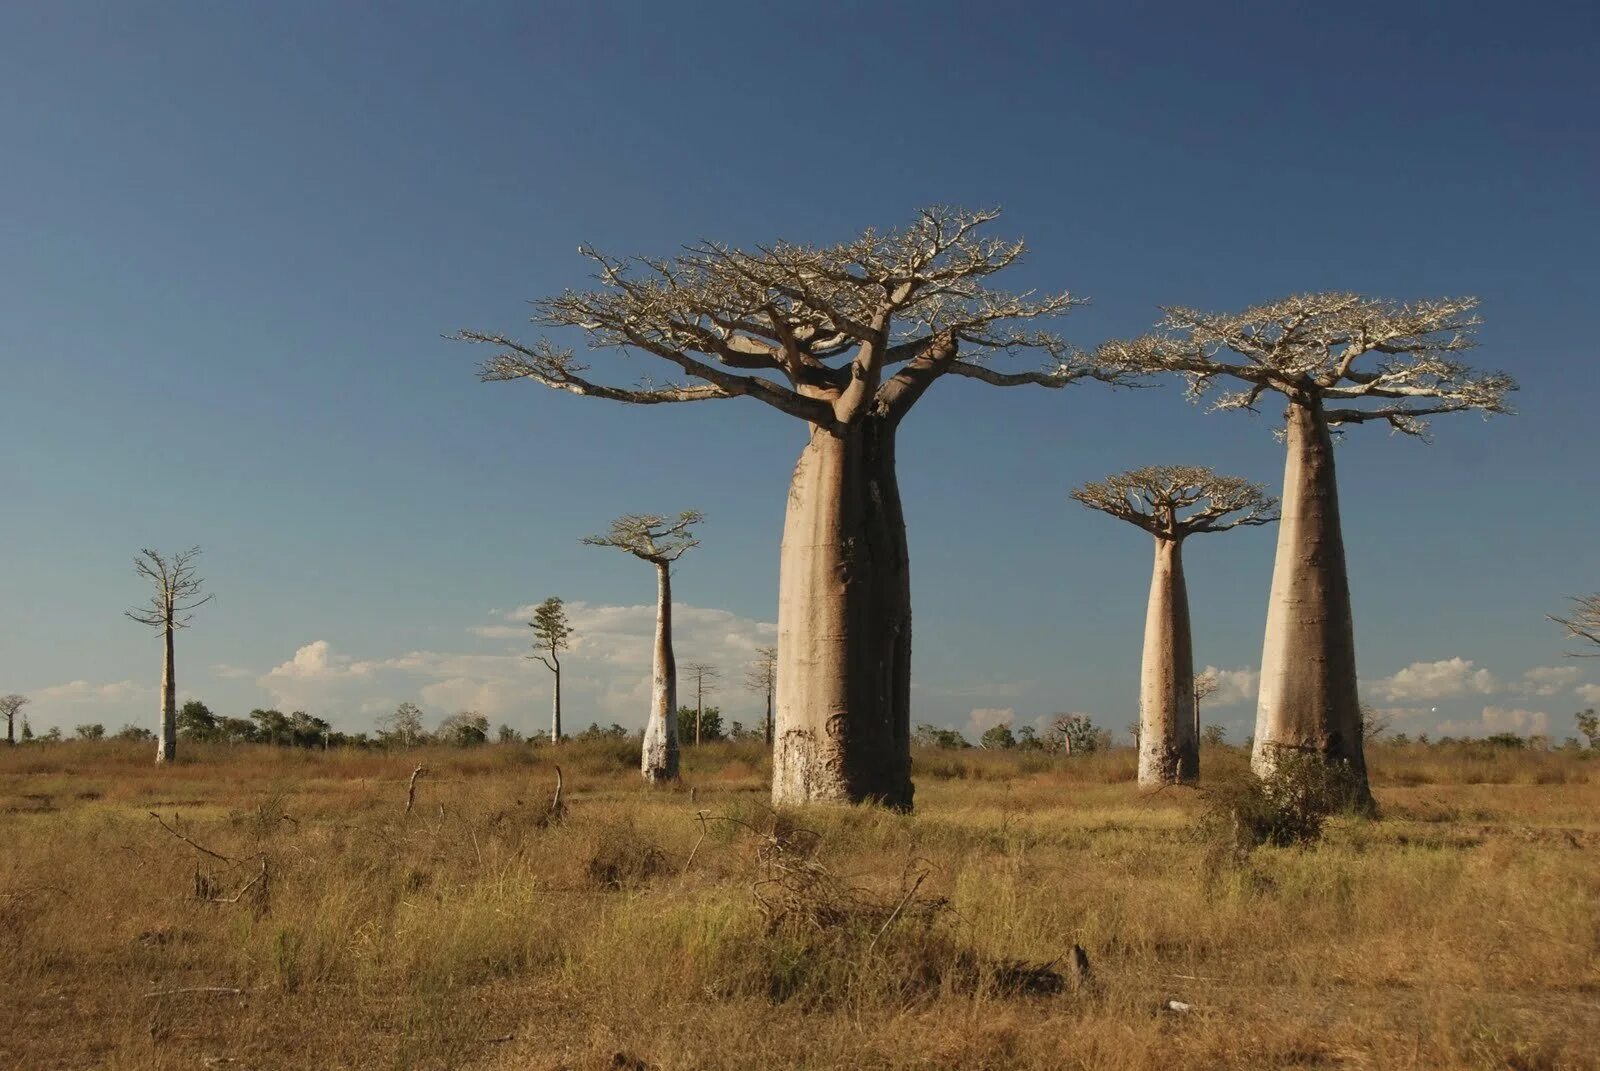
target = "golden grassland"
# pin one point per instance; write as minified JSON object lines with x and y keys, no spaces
{"x":696,"y":928}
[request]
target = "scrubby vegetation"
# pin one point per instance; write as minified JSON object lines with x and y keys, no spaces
{"x":278,"y":908}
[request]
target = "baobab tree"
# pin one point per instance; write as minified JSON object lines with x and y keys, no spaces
{"x":1337,"y":360}
{"x":1206,"y":682}
{"x":660,"y":541}
{"x":1584,"y":624}
{"x":762,"y":677}
{"x":846,"y":339}
{"x":176,"y":595}
{"x":1172,"y":503}
{"x":551,"y":635}
{"x":10,"y":707}
{"x":705,"y":677}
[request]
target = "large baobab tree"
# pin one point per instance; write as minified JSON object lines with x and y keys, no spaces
{"x":705,"y":677}
{"x":552,"y":634}
{"x":10,"y":707}
{"x":177,"y":593}
{"x":660,"y":541}
{"x":1584,"y":624}
{"x":1337,"y":360}
{"x":846,"y":339}
{"x":1172,"y":503}
{"x":762,"y":676}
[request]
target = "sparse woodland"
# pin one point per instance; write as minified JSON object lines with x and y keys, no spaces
{"x":834,"y":884}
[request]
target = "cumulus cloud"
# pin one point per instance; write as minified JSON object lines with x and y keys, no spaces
{"x":1234,"y":686}
{"x":1589,"y":693}
{"x":1500,"y":720}
{"x":1443,"y":679}
{"x":605,"y":677}
{"x":81,"y":701}
{"x":1548,"y":680}
{"x":987,"y":718}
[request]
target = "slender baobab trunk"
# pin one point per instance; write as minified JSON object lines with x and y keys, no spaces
{"x":1308,"y":698}
{"x":167,"y":745}
{"x":555,"y":705}
{"x":660,"y":759}
{"x":844,"y":625}
{"x":767,"y":725}
{"x":1168,"y":748}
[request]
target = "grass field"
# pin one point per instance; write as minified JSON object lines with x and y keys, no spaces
{"x":308,"y":921}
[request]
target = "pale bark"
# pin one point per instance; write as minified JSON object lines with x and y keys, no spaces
{"x":555,"y":702}
{"x":167,"y":744}
{"x":1168,"y":746}
{"x":844,"y":625}
{"x":659,"y":760}
{"x":1308,"y":700}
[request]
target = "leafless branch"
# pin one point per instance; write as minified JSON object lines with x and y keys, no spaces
{"x":177,"y":588}
{"x":1156,"y":497}
{"x":1584,"y":622}
{"x":651,"y":536}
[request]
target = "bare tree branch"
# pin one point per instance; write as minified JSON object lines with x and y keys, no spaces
{"x":1584,"y":622}
{"x":1156,"y":497}
{"x":651,"y":536}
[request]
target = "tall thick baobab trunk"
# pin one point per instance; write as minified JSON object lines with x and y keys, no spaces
{"x":659,"y":761}
{"x":167,"y":746}
{"x":1308,"y":700}
{"x":1169,"y":750}
{"x":844,"y":625}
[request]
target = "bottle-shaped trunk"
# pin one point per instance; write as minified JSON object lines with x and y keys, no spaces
{"x":659,"y":761}
{"x":1168,"y":747}
{"x":167,"y":742}
{"x":555,"y":702}
{"x":843,"y":720}
{"x":1308,"y":701}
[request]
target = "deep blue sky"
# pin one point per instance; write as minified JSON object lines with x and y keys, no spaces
{"x":234,"y":235}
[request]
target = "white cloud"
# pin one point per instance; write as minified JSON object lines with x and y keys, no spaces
{"x":1439,"y":680}
{"x":605,"y":677}
{"x":1234,"y":686}
{"x":1500,"y":720}
{"x":223,"y":671}
{"x":987,"y":718}
{"x":1589,"y":693}
{"x":80,"y":701}
{"x":1548,"y":680}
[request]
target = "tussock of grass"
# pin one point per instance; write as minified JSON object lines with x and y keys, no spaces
{"x":700,"y":929}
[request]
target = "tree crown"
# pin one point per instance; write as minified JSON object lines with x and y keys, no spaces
{"x":1176,"y":501}
{"x":1390,"y":361}
{"x":551,"y":632}
{"x":1584,"y":624}
{"x":651,"y":536}
{"x":806,"y":329}
{"x":177,"y":588}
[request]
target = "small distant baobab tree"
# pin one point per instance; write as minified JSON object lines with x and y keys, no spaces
{"x":1338,"y":360}
{"x":177,"y":594}
{"x":660,"y":541}
{"x":1584,"y":622}
{"x":10,"y":707}
{"x":846,"y":339}
{"x":705,"y":677}
{"x":1172,"y":503}
{"x":762,"y":677}
{"x":551,"y":635}
{"x":1206,"y":682}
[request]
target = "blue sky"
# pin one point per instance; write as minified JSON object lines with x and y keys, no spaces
{"x":234,"y":236}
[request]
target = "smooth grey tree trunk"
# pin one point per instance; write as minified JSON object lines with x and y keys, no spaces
{"x":659,"y":761}
{"x":1308,"y":700}
{"x":1168,"y":748}
{"x":844,"y":625}
{"x":167,"y":743}
{"x":555,"y":702}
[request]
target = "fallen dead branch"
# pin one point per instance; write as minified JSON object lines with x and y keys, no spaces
{"x":210,"y":990}
{"x":191,"y":843}
{"x":411,"y":786}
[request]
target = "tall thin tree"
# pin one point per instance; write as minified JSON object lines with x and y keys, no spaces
{"x":10,"y":707}
{"x":552,"y":634}
{"x":762,"y":677}
{"x":705,"y":677}
{"x":177,"y":593}
{"x":1172,"y":503}
{"x":1337,"y":360}
{"x":661,"y":541}
{"x":1205,"y":685}
{"x":845,"y":338}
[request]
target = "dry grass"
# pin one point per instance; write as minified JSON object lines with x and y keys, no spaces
{"x":679,"y":929}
